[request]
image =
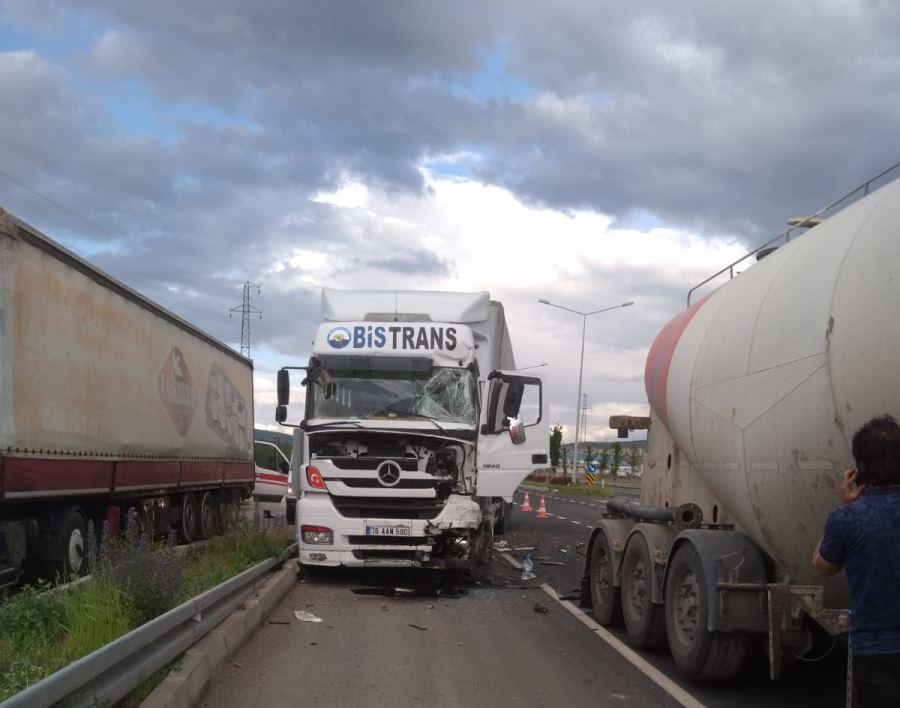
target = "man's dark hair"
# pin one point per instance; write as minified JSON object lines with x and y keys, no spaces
{"x":876,"y":449}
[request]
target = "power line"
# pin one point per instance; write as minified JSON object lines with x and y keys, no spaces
{"x":191,"y":274}
{"x":246,"y":309}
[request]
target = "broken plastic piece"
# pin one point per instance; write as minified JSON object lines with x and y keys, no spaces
{"x":304,"y":616}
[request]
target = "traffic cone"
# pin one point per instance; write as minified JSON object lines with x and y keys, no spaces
{"x":542,"y":512}
{"x":527,"y":505}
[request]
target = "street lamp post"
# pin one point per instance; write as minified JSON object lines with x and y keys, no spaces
{"x":584,"y":316}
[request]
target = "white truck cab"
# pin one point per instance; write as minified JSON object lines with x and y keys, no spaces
{"x":416,"y":430}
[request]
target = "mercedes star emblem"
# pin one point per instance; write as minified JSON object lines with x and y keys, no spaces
{"x":388,"y":473}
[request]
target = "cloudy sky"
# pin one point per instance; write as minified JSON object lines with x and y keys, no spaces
{"x":581,"y":151}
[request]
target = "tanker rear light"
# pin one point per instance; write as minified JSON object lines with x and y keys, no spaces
{"x":314,"y":477}
{"x":321,"y":535}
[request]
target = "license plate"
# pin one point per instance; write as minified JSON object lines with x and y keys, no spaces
{"x":387,"y":530}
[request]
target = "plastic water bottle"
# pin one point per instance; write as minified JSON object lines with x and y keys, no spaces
{"x":528,"y":568}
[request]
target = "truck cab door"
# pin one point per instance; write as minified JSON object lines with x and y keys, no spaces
{"x":513,"y":436}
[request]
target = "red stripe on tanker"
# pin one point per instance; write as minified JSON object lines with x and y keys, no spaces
{"x":659,"y":360}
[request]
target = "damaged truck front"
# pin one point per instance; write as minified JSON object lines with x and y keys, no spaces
{"x":416,"y":432}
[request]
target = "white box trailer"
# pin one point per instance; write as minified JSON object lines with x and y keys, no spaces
{"x":416,"y":430}
{"x":107,"y":401}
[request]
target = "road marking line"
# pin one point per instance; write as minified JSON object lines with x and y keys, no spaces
{"x":660,"y":679}
{"x":512,"y":560}
{"x":576,"y":522}
{"x":562,"y":518}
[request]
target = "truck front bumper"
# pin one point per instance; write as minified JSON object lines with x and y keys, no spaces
{"x":353,"y":547}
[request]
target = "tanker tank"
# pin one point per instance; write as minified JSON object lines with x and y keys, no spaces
{"x":763,"y":382}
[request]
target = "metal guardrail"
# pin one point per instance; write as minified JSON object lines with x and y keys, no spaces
{"x":804,"y":223}
{"x":110,"y":673}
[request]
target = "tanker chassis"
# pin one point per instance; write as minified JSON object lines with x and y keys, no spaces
{"x":755,"y":392}
{"x":107,"y":402}
{"x":417,"y":430}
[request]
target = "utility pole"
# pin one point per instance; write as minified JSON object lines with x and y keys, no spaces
{"x":582,"y":436}
{"x":246,"y":309}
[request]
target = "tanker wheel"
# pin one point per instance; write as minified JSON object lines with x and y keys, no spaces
{"x":698,"y":652}
{"x":207,"y":516}
{"x":188,"y":523}
{"x":644,"y":621}
{"x":605,"y":599}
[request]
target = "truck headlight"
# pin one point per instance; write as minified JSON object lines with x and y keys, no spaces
{"x":317,"y":534}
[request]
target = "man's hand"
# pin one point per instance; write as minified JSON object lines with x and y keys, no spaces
{"x":822,"y":566}
{"x":850,"y":491}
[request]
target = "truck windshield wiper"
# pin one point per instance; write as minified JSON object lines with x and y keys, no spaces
{"x":400,"y":415}
{"x":351,"y":423}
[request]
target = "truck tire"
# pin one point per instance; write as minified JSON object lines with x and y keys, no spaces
{"x":644,"y":621}
{"x":222,"y":498}
{"x":188,"y":523}
{"x":605,"y":599}
{"x":65,"y":557}
{"x":698,"y":652}
{"x":207,"y":516}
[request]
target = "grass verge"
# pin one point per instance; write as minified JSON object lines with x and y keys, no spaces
{"x":573,"y":490}
{"x":132,"y":581}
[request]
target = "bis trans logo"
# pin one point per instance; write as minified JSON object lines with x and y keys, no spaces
{"x":338,"y":338}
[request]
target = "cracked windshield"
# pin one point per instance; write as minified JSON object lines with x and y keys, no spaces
{"x":443,"y":394}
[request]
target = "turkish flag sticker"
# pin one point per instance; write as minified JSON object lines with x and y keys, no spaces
{"x":177,"y":391}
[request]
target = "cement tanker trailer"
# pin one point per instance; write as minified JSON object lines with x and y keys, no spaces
{"x":755,"y":392}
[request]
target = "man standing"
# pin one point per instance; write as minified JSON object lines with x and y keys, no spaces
{"x":863,"y":536}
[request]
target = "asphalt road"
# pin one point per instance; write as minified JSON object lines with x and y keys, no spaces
{"x":559,"y":538}
{"x":485,"y":647}
{"x":480,"y":645}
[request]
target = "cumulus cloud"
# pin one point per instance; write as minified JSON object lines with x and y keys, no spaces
{"x":565,"y":151}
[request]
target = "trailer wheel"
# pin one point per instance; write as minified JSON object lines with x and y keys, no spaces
{"x":644,"y":621}
{"x":698,"y":652}
{"x":605,"y":599}
{"x":188,"y":523}
{"x":207,"y":516}
{"x":222,"y":510}
{"x":73,"y":542}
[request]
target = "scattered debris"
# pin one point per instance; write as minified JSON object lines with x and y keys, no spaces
{"x":304,"y":616}
{"x":543,"y":562}
{"x":528,"y":568}
{"x":427,"y":591}
{"x":314,"y":644}
{"x":385,"y":608}
{"x":571,"y":595}
{"x":431,"y":607}
{"x":540,"y":609}
{"x":278,"y":622}
{"x":524,"y":548}
{"x":415,"y":626}
{"x":501,"y":546}
{"x":237,"y":665}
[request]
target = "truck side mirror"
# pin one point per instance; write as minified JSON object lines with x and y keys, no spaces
{"x":284,"y":388}
{"x":280,"y":414}
{"x":516,"y":431}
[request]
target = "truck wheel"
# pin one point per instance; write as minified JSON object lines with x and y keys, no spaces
{"x":605,"y":598}
{"x":188,"y":523}
{"x":698,"y":652}
{"x":73,"y":542}
{"x":644,"y":621}
{"x":207,"y":516}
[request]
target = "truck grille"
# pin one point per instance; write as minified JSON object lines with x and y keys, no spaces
{"x":387,"y":507}
{"x":388,"y":540}
{"x":407,"y":464}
